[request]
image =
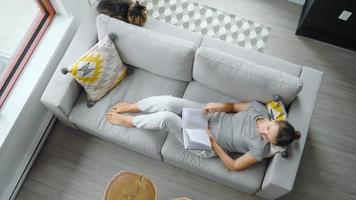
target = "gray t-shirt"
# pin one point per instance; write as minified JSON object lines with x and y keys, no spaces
{"x":237,"y":132}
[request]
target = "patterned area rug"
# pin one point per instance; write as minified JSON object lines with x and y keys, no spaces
{"x":209,"y":21}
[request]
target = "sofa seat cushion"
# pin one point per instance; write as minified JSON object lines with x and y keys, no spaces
{"x":248,"y":180}
{"x":135,"y":86}
{"x":238,"y":77}
{"x":153,"y":51}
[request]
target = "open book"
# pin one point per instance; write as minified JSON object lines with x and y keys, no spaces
{"x":194,"y":124}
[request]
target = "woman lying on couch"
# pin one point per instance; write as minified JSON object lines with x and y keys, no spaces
{"x":233,"y":127}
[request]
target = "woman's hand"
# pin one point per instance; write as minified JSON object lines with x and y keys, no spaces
{"x":211,"y":137}
{"x":213,"y":107}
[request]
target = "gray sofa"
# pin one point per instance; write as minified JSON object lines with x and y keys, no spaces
{"x":169,"y":67}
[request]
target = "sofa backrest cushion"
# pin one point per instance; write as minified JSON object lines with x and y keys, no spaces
{"x":158,"y":53}
{"x":243,"y":79}
{"x":172,"y":30}
{"x":257,"y":57}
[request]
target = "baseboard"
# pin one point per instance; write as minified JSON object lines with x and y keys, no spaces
{"x":29,"y":157}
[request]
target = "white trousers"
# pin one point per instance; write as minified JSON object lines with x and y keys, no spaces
{"x":164,"y":113}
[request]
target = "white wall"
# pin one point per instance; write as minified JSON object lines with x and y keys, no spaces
{"x":76,"y":8}
{"x":23,"y":117}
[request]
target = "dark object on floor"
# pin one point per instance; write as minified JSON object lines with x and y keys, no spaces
{"x":126,"y":10}
{"x":329,"y":21}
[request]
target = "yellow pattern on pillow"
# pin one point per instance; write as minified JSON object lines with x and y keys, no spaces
{"x":276,"y":110}
{"x":85,"y":63}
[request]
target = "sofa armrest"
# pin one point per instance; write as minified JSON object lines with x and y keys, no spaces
{"x":62,"y":90}
{"x":281,"y":172}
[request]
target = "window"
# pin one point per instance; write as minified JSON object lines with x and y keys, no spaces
{"x":23,"y":23}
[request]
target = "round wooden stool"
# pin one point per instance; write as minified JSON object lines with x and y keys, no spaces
{"x":130,"y":186}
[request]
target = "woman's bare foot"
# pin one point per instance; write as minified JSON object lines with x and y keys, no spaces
{"x":120,"y":119}
{"x":124,"y":107}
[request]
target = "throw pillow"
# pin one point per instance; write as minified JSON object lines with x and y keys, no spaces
{"x":98,"y":70}
{"x":276,"y":111}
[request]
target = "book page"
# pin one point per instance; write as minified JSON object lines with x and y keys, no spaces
{"x":198,"y":136}
{"x":197,"y":139}
{"x":185,"y":139}
{"x":194,"y":119}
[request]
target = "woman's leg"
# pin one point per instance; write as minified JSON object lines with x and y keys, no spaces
{"x":156,"y":104}
{"x":166,"y":103}
{"x":164,"y":120}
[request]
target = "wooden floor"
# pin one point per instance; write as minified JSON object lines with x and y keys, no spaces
{"x":75,"y":165}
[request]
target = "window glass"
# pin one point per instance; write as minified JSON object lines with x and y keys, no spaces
{"x":16,"y":18}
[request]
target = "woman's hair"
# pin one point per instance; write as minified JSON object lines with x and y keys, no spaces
{"x":286,"y":133}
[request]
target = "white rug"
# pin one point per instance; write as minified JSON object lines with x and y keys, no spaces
{"x":209,"y":21}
